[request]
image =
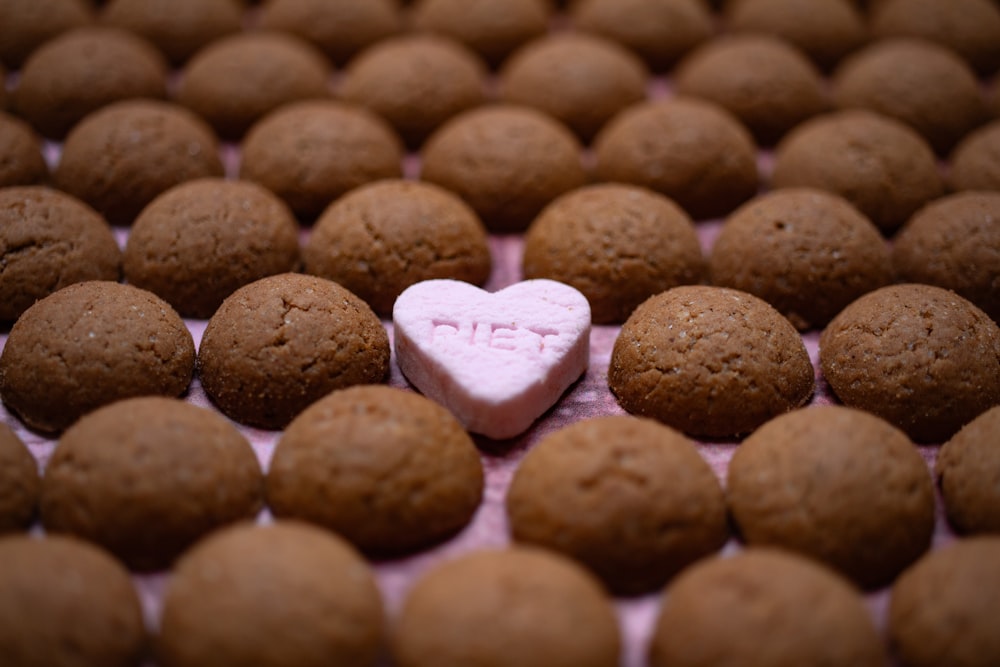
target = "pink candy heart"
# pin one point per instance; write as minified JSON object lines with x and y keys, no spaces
{"x":497,"y":361}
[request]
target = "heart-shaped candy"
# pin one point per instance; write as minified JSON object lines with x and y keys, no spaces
{"x":497,"y":360}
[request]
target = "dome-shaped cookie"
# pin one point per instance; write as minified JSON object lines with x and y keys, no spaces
{"x":968,"y":470}
{"x":974,"y":164}
{"x":19,"y":483}
{"x":23,"y":162}
{"x":709,"y":361}
{"x":28,"y":24}
{"x":617,"y":244}
{"x":921,"y":357}
{"x":88,"y":345}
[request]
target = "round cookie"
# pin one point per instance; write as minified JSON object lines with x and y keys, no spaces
{"x":66,"y":603}
{"x":200,"y":241}
{"x":807,"y":252}
{"x":415,"y":82}
{"x":28,"y":24}
{"x":917,"y":82}
{"x":943,"y":610}
{"x":954,"y":242}
{"x":380,"y":238}
{"x":490,"y":28}
{"x":520,"y":607}
{"x":763,"y":607}
{"x":709,"y":361}
{"x":838,"y":485}
{"x":660,"y":31}
{"x":119,"y":158}
{"x":881,"y":166}
{"x":629,"y":498}
{"x":617,"y":244}
{"x":768,"y":84}
{"x":921,"y":357}
{"x":582,"y":80}
{"x":88,"y":345}
{"x":179,"y":28}
{"x":236,"y":80}
{"x":23,"y":162}
{"x":340,"y":28}
{"x":310,"y":153}
{"x":690,"y":150}
{"x":19,"y":483}
{"x":968,"y":471}
{"x":220,"y":603}
{"x":83,"y":70}
{"x":506,"y":161}
{"x":279,"y":344}
{"x":389,"y":470}
{"x":49,"y":240}
{"x":974,"y":164}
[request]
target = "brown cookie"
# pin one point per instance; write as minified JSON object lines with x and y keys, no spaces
{"x":236,"y":80}
{"x":66,"y":603}
{"x":506,"y":161}
{"x":767,"y":83}
{"x":582,"y":80}
{"x":943,"y":610}
{"x":279,"y":344}
{"x":974,"y":164}
{"x":520,"y":607}
{"x":954,"y":242}
{"x":416,"y":82}
{"x":23,"y":162}
{"x":617,"y":244}
{"x":379,"y":239}
{"x":709,"y":361}
{"x":807,"y":252}
{"x":200,"y":241}
{"x":763,"y":608}
{"x":920,"y":357}
{"x":83,"y":70}
{"x":878,"y":164}
{"x":629,"y":498}
{"x":19,"y":484}
{"x":27,"y":24}
{"x":49,"y":240}
{"x":119,"y":158}
{"x":271,"y":596}
{"x":690,"y":150}
{"x":660,"y":31}
{"x":968,"y":470}
{"x":310,"y":153}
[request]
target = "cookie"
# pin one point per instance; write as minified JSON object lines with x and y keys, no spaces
{"x":709,"y":361}
{"x":974,"y":164}
{"x":119,"y":158}
{"x":147,"y":477}
{"x":49,"y":240}
{"x":66,"y":603}
{"x":968,"y":469}
{"x":690,"y":150}
{"x":617,"y":244}
{"x":582,"y":80}
{"x":763,"y":607}
{"x":506,"y":161}
{"x":389,"y":470}
{"x":200,"y":241}
{"x":279,"y":344}
{"x":19,"y":483}
{"x":415,"y":82}
{"x":310,"y":153}
{"x":807,"y":252}
{"x":943,"y":609}
{"x":88,"y":345}
{"x":954,"y":242}
{"x":380,"y":238}
{"x":28,"y":24}
{"x":920,"y":357}
{"x":236,"y":80}
{"x":768,"y":84}
{"x":881,"y":166}
{"x":521,"y":607}
{"x":23,"y":162}
{"x":219,"y":607}
{"x":629,"y":498}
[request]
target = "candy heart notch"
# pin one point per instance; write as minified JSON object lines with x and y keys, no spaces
{"x":497,"y":360}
